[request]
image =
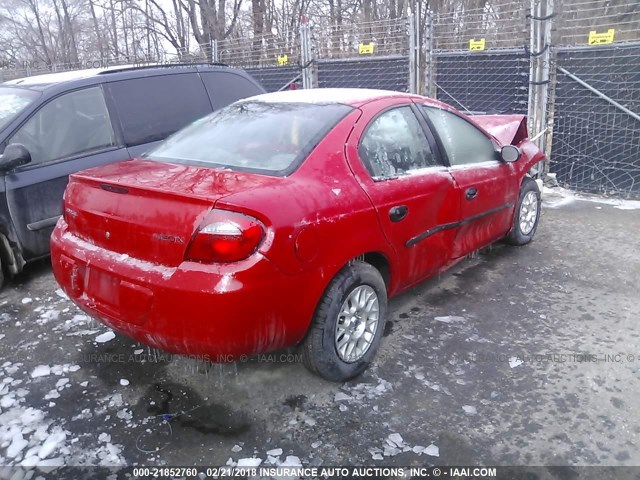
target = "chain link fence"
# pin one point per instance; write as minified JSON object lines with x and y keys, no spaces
{"x":572,"y":65}
{"x":274,"y":61}
{"x":368,"y":55}
{"x":595,"y":106}
{"x":479,"y":63}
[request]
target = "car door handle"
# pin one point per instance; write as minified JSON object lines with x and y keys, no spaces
{"x":398,"y":213}
{"x":471,"y":193}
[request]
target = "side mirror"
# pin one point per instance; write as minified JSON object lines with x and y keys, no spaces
{"x":14,"y":156}
{"x":509,"y":153}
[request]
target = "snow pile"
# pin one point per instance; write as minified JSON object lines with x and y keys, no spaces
{"x":363,"y":391}
{"x":105,"y":337}
{"x":450,"y":319}
{"x":558,"y":197}
{"x":47,"y":316}
{"x":26,"y":436}
{"x":515,"y":362}
{"x":395,"y":444}
{"x":417,"y":373}
{"x":73,"y":326}
{"x":29,"y":438}
{"x":470,"y":409}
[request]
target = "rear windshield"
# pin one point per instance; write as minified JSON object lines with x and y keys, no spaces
{"x":13,"y":101}
{"x":271,"y":138}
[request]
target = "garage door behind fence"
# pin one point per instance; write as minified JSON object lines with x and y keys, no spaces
{"x":596,"y":134}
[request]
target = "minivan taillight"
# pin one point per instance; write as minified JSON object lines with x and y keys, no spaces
{"x":225,"y":236}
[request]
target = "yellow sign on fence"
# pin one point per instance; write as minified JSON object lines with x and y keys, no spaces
{"x":366,"y":48}
{"x":283,"y":59}
{"x":596,"y":38}
{"x":477,"y":44}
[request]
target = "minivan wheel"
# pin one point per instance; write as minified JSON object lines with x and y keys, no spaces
{"x":348,"y":325}
{"x":527,"y":214}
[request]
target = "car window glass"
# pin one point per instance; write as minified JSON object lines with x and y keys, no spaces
{"x":69,"y":125}
{"x":224,"y":88}
{"x":395,"y":144}
{"x":152,"y":108}
{"x":463,"y":142}
{"x":264,"y":137}
{"x":12,"y":102}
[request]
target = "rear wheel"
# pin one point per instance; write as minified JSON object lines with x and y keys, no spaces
{"x":1,"y":271}
{"x":348,"y":325}
{"x":527,"y":214}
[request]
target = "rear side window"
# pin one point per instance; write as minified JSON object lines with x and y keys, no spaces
{"x":152,"y":108}
{"x":224,"y":88}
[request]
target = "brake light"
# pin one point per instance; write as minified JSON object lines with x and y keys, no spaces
{"x":225,"y":237}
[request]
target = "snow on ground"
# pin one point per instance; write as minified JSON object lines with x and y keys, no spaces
{"x":394,"y":444}
{"x":557,"y":197}
{"x":29,"y":434}
{"x":105,"y":337}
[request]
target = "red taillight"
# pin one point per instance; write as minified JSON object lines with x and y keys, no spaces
{"x":225,"y":237}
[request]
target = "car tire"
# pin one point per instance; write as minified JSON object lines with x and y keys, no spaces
{"x":526,"y":215}
{"x":360,"y":290}
{"x":1,"y":273}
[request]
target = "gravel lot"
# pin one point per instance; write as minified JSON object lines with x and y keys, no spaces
{"x":518,"y":356}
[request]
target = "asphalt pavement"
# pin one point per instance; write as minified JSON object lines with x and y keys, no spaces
{"x":517,"y":356}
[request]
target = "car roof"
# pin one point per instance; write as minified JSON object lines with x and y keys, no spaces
{"x":348,"y":96}
{"x":53,"y":79}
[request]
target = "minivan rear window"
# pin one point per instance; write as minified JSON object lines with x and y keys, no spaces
{"x":271,"y":138}
{"x":13,"y":101}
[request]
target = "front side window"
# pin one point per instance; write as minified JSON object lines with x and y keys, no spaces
{"x":463,"y":143}
{"x":270,"y":138}
{"x":395,"y":144}
{"x":13,"y":101}
{"x":69,"y":125}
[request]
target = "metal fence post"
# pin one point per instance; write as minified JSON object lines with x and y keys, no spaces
{"x":214,"y":51}
{"x":306,"y":54}
{"x":541,"y":16}
{"x":429,"y":68}
{"x":413,"y":67}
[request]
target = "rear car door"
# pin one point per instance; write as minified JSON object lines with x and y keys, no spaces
{"x":487,"y":186}
{"x":395,"y":160}
{"x":71,"y":132}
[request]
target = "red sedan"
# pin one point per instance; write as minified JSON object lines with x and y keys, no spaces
{"x":290,"y":218}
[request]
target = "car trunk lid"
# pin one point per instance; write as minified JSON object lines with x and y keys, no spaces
{"x":148,"y":210}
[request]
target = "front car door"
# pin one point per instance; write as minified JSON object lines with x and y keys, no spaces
{"x":71,"y":132}
{"x":394,"y":158}
{"x":487,"y":187}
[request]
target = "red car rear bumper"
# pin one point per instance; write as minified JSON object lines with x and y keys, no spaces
{"x":215,"y":311}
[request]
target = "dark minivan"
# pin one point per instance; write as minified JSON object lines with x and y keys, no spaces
{"x":57,"y":124}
